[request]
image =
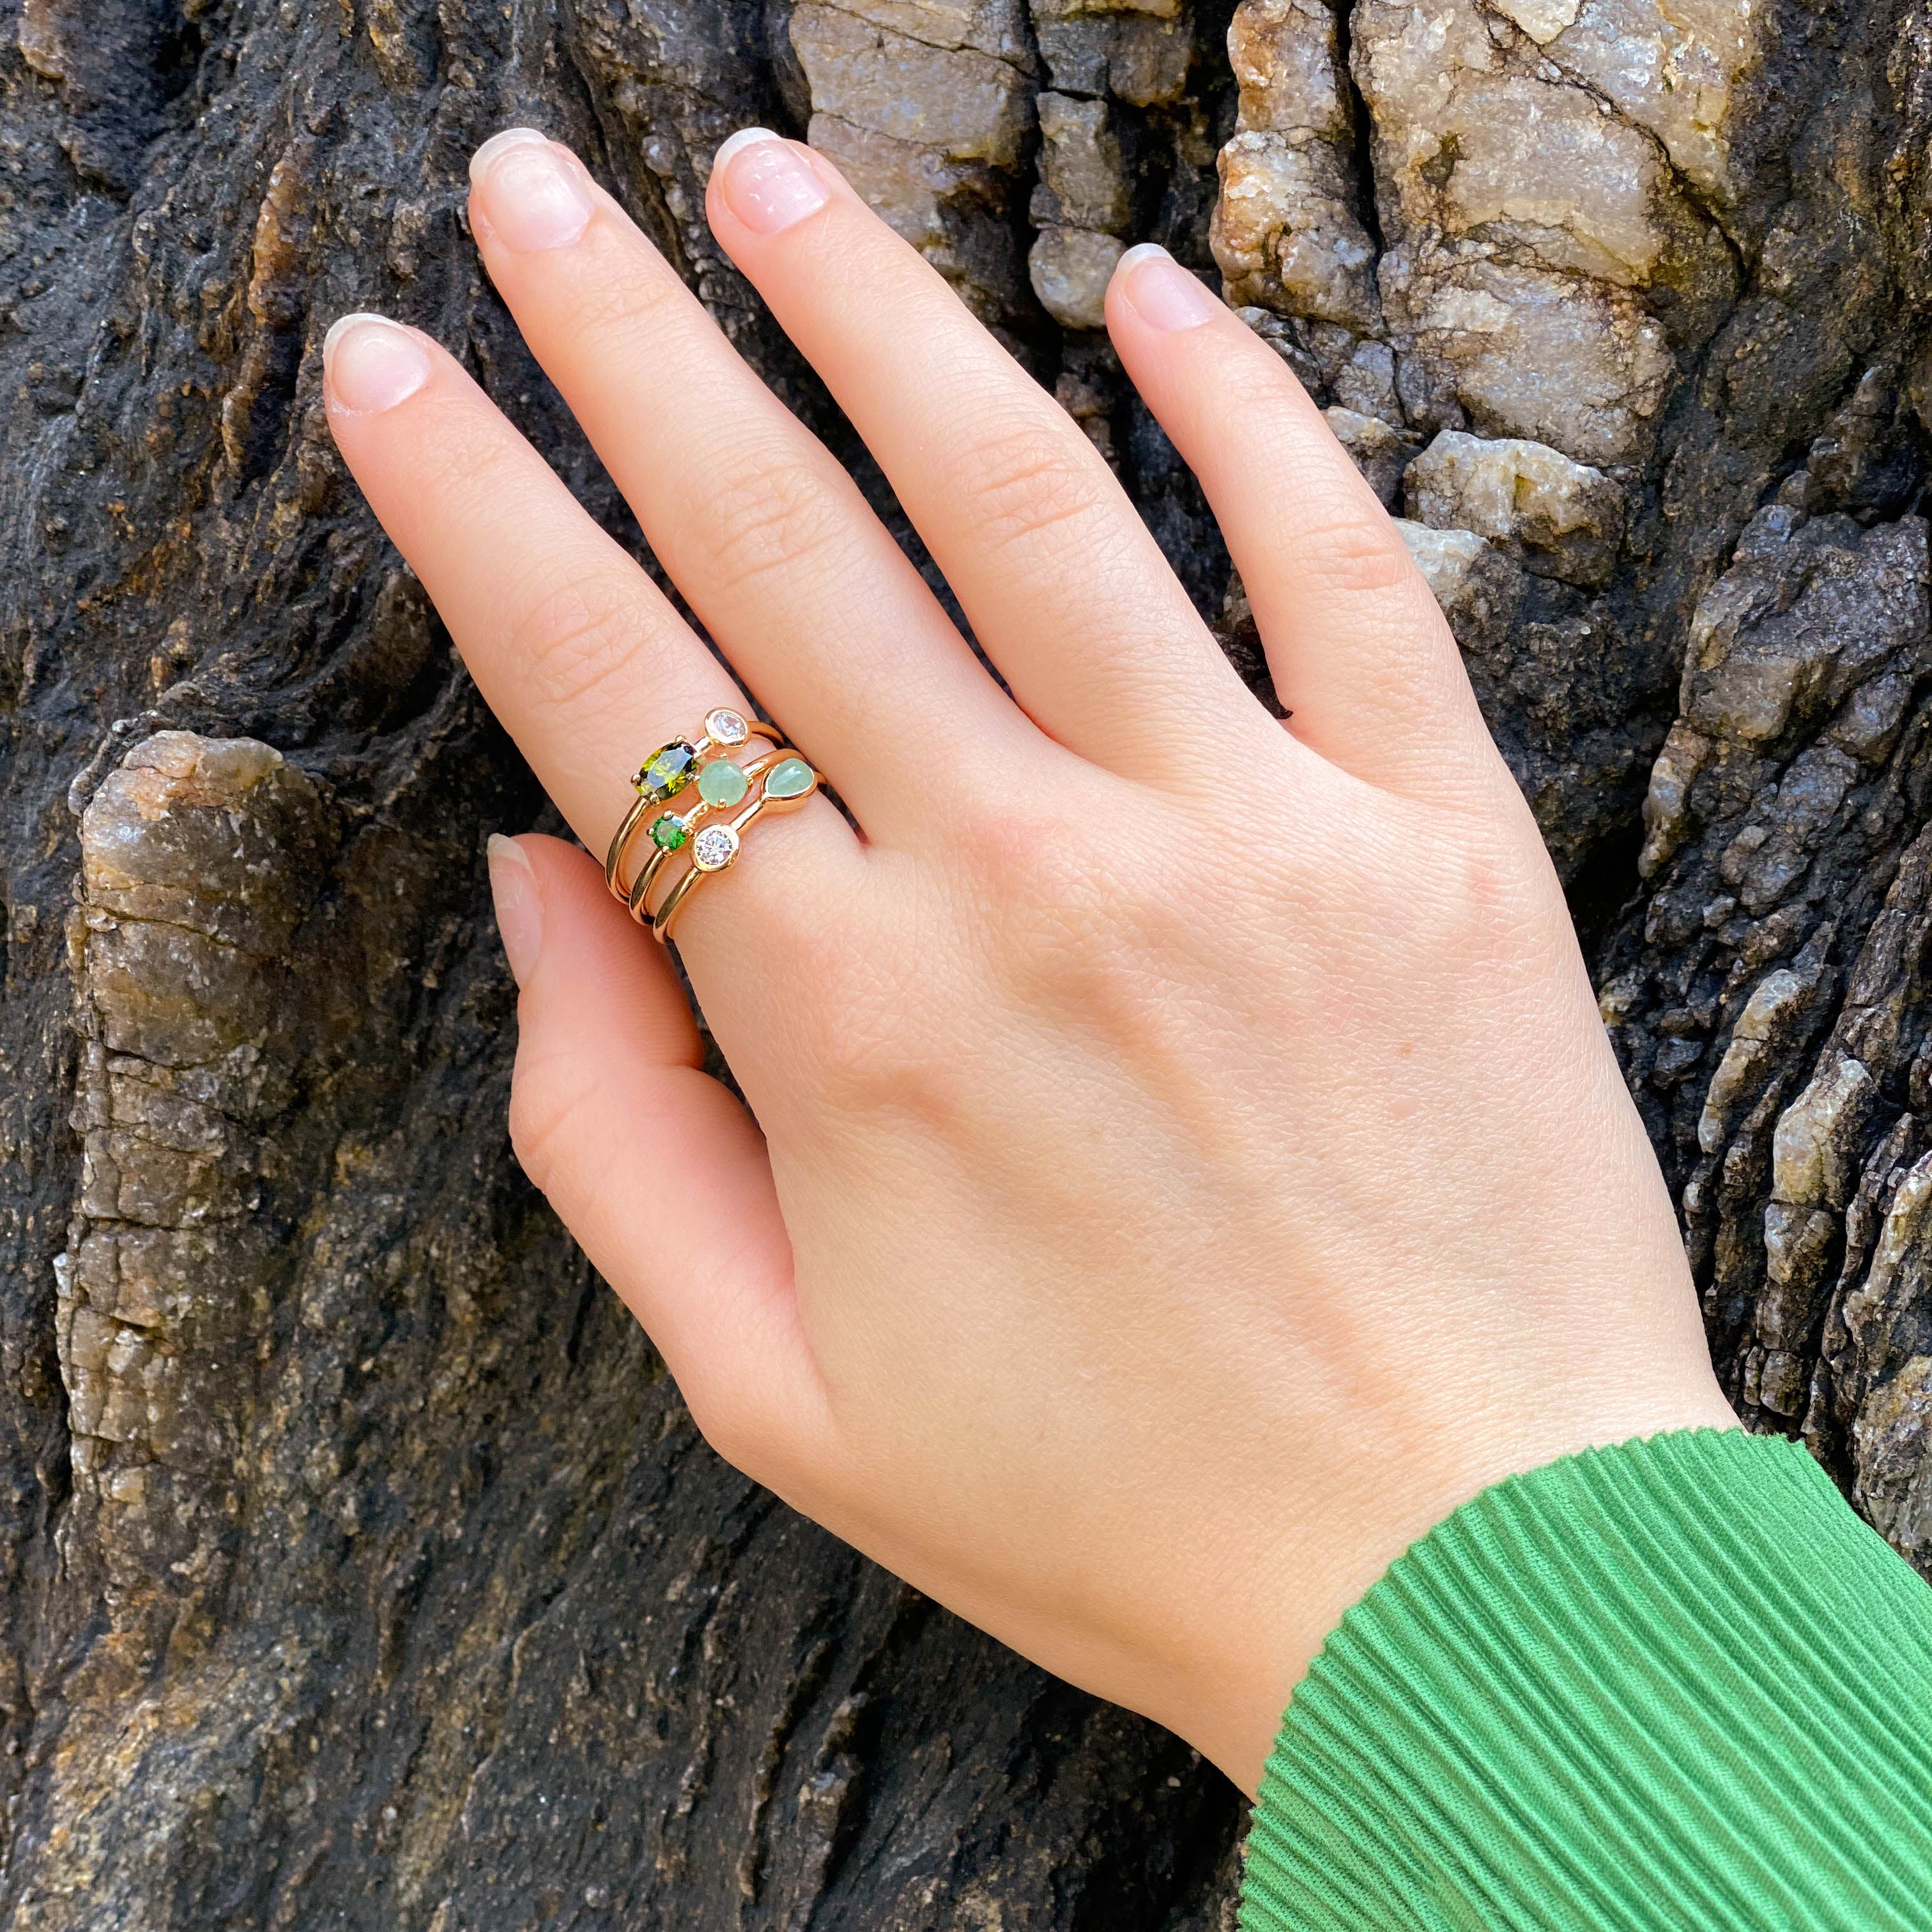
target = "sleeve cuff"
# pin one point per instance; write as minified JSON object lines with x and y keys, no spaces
{"x":1676,"y":1683}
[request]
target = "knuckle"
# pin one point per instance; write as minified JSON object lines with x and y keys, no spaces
{"x":1059,"y":900}
{"x":549,"y":1096}
{"x":758,"y":1437}
{"x":860,"y":1073}
{"x":767,"y":520}
{"x":573,"y":640}
{"x":735,"y":1427}
{"x":868,"y":1057}
{"x":613,"y":310}
{"x":1358,"y":555}
{"x":1024,"y":483}
{"x":871,"y":1036}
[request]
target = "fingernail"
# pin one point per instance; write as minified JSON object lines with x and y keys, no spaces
{"x":1162,"y":292}
{"x":765,"y":181}
{"x":370,"y":364}
{"x":513,"y":885}
{"x":509,"y":137}
{"x":533,"y":193}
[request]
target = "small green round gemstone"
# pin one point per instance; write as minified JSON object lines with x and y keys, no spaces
{"x":722,"y":783}
{"x":790,"y":778}
{"x":668,"y":832}
{"x":667,"y":770}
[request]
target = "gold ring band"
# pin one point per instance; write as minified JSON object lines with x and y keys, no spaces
{"x":787,"y":783}
{"x":775,"y":778}
{"x":662,"y":855}
{"x":668,"y":771}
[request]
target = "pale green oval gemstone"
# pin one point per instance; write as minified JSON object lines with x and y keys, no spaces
{"x":790,"y":778}
{"x":722,"y":783}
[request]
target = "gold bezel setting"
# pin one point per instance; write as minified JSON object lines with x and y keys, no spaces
{"x":714,"y":848}
{"x":775,"y":779}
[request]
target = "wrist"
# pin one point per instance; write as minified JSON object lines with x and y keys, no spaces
{"x":1634,"y":1671}
{"x":1309,"y":1579}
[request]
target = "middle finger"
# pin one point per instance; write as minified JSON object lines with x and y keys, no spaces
{"x":819,"y":610}
{"x":1059,"y":578}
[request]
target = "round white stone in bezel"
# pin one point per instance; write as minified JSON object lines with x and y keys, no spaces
{"x":714,"y":848}
{"x":726,"y":727}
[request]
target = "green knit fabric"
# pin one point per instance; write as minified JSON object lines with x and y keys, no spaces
{"x":1677,"y":1683}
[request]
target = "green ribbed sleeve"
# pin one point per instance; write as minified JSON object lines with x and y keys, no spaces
{"x":1676,"y":1683}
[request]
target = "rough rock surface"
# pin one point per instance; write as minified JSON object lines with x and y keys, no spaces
{"x":1560,"y":518}
{"x":361,"y":1566}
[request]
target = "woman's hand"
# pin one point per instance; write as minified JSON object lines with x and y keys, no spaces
{"x":1187,"y":1162}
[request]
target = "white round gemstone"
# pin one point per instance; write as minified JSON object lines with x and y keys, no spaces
{"x":714,"y":848}
{"x":726,"y":728}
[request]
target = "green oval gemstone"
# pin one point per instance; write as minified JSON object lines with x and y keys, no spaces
{"x":790,"y":778}
{"x":667,"y":770}
{"x":668,"y":832}
{"x":721,"y":782}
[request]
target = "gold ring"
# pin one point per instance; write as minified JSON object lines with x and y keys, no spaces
{"x":666,"y":839}
{"x":785,"y":785}
{"x":668,"y":770}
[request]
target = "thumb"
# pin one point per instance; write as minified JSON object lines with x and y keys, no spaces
{"x":654,"y":1167}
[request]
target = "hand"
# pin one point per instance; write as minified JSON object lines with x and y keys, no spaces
{"x":1187,"y":1162}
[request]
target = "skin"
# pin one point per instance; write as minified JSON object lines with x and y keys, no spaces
{"x":1184,"y":1160}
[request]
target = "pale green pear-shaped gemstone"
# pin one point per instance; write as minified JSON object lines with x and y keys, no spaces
{"x":722,"y":783}
{"x":790,"y":778}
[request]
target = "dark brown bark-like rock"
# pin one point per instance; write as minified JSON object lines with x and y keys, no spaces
{"x":362,"y":1567}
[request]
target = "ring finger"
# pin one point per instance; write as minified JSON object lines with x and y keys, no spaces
{"x":574,"y":647}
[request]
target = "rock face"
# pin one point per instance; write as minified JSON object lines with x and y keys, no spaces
{"x":1769,"y":1004}
{"x":1561,"y":519}
{"x":362,"y":1567}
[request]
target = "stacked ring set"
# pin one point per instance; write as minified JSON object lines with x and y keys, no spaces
{"x":735,"y":765}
